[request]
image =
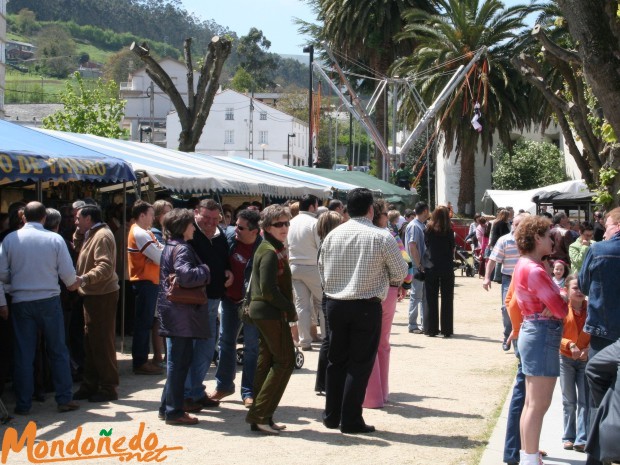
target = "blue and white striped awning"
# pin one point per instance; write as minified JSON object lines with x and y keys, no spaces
{"x":285,"y":172}
{"x":192,"y":172}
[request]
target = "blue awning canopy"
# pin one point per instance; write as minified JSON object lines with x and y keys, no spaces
{"x":29,"y":155}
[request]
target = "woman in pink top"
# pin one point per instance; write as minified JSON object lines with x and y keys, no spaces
{"x":543,"y":309}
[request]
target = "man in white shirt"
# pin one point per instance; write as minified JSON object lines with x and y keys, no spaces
{"x":357,"y":264}
{"x":303,"y":246}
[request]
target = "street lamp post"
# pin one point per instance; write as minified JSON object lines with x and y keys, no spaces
{"x":288,"y":149}
{"x":310,"y":49}
{"x":263,"y":146}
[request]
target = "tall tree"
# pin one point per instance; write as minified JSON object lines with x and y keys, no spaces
{"x":252,"y":51}
{"x":363,"y":31}
{"x":595,"y":28}
{"x":55,"y":52}
{"x":192,"y":116}
{"x":451,"y":38}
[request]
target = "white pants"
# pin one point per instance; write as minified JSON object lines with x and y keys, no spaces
{"x":308,"y":295}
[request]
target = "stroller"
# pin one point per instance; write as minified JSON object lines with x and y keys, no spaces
{"x":299,"y":356}
{"x":462,"y":262}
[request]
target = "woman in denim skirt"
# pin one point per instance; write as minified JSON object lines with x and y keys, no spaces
{"x":543,"y":309}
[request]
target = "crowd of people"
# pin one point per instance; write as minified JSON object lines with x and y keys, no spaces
{"x":298,"y":269}
{"x":547,"y":267}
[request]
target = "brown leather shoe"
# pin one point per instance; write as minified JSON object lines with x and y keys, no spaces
{"x":148,"y":369}
{"x":248,"y":402}
{"x":185,"y":420}
{"x":190,"y":406}
{"x":219,"y":395}
{"x":68,"y":407}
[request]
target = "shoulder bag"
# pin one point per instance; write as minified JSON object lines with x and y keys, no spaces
{"x":244,"y":308}
{"x":184,"y":295}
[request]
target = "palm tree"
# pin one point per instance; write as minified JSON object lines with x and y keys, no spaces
{"x":362,"y":32}
{"x":450,"y":38}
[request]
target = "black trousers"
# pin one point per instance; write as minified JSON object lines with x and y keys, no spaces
{"x":354,"y":331}
{"x":321,"y":371}
{"x":436,"y":281}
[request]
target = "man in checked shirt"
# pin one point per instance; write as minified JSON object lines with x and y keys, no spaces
{"x":357,"y":264}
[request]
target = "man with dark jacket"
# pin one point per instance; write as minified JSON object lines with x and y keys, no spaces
{"x":243,"y":242}
{"x":211,"y":245}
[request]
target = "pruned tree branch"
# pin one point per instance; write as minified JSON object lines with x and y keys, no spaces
{"x":192,"y":116}
{"x":563,"y":54}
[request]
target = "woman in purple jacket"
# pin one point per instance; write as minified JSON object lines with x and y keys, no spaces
{"x":180,"y":323}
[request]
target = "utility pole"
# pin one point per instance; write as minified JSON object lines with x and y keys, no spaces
{"x":251,"y":144}
{"x":152,"y":110}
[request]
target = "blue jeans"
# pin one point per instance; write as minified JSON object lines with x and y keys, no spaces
{"x":146,"y":301}
{"x":227,"y":365}
{"x":417,"y":303}
{"x":512,"y":444}
{"x":574,"y":399}
{"x":28,"y":318}
{"x":180,"y":351}
{"x":204,"y":349}
{"x":505,"y":317}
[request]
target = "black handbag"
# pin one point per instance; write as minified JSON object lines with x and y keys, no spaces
{"x":184,"y":295}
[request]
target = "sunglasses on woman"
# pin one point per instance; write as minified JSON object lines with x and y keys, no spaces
{"x":281,"y":224}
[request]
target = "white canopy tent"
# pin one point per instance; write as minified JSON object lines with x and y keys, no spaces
{"x":493,"y":199}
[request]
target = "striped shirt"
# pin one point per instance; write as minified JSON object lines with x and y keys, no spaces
{"x":360,"y":261}
{"x":506,"y":253}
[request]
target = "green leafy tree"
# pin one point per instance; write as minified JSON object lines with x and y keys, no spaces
{"x":532,"y":165}
{"x":449,"y":39}
{"x":26,"y":22}
{"x":252,"y":50}
{"x":55,"y":52}
{"x":95,"y":111}
{"x":242,"y":81}
{"x":119,"y":65}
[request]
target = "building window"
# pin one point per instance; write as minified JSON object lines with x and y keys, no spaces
{"x":263,"y":116}
{"x":230,"y":114}
{"x":263,"y":137}
{"x":229,"y":136}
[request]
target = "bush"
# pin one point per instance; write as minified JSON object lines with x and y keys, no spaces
{"x":532,"y":165}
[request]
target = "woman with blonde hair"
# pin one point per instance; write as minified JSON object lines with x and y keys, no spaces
{"x":271,"y":310}
{"x":440,"y":245}
{"x":543,"y":309}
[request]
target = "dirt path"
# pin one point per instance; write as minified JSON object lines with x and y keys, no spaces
{"x":445,"y":394}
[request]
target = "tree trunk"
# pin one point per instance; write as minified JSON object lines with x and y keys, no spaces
{"x":467,"y":184}
{"x":593,"y":26}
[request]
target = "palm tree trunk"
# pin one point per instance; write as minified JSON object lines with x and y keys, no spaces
{"x":467,"y":186}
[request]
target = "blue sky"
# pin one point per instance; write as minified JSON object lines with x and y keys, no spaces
{"x":273,"y":17}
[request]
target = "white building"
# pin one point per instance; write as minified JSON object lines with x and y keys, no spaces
{"x":2,"y":54}
{"x":448,"y":172}
{"x":232,"y":129}
{"x":147,"y":104}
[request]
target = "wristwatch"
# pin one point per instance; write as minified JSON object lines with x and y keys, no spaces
{"x":83,"y":283}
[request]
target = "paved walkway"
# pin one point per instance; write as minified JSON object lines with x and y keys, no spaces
{"x":550,"y":441}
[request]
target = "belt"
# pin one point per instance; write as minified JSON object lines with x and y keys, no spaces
{"x":372,"y":299}
{"x":539,"y":316}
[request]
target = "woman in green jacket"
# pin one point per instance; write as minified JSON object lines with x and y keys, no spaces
{"x":271,"y":310}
